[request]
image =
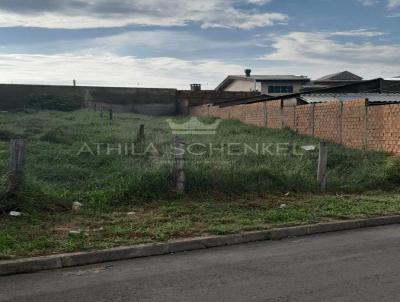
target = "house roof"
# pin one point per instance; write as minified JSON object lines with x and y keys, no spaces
{"x":259,"y":78}
{"x":376,"y":85}
{"x":376,"y":98}
{"x":343,"y":76}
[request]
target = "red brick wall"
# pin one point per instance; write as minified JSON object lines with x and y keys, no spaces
{"x":274,"y":114}
{"x":351,"y":123}
{"x":289,"y":117}
{"x":375,"y":127}
{"x":238,"y":113}
{"x":199,"y":110}
{"x":354,"y":133}
{"x":391,"y":132}
{"x":327,"y":121}
{"x":255,"y":114}
{"x":304,"y":119}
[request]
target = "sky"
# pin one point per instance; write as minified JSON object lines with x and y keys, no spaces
{"x":173,"y":43}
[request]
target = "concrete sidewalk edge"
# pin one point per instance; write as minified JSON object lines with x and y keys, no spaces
{"x":30,"y":265}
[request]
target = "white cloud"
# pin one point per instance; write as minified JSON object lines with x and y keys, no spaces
{"x":103,"y":13}
{"x":319,"y":53}
{"x":391,"y":4}
{"x":359,"y":33}
{"x":112,"y":70}
{"x":369,"y":2}
{"x":158,"y":41}
{"x":394,"y":3}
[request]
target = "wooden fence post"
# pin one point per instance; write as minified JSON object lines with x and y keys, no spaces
{"x":141,"y":138}
{"x":180,"y":165}
{"x":17,"y":163}
{"x":322,"y":173}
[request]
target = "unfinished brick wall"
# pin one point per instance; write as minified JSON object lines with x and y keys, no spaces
{"x":238,"y":113}
{"x":327,"y":121}
{"x":354,"y":124}
{"x":351,"y":123}
{"x":289,"y":117}
{"x":274,"y":114}
{"x":214,"y":111}
{"x":375,"y":127}
{"x":391,"y":132}
{"x":199,"y":110}
{"x":255,"y":114}
{"x":305,"y":119}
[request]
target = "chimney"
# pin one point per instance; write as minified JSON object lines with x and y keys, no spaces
{"x":195,"y":87}
{"x":247,"y":72}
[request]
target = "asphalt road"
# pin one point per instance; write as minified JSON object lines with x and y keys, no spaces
{"x":361,"y":265}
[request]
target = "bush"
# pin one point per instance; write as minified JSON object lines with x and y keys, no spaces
{"x":58,"y":103}
{"x":55,"y":136}
{"x":6,"y":135}
{"x":393,"y":169}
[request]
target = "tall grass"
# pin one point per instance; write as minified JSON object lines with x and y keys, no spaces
{"x":55,"y":172}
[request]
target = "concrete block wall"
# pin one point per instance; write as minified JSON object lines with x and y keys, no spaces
{"x":354,"y":124}
{"x":152,"y":101}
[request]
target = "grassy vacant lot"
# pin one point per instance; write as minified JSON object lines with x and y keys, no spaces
{"x":130,"y":199}
{"x":55,"y":172}
{"x":44,"y":233}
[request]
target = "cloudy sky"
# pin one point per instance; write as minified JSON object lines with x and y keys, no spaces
{"x":172,"y":43}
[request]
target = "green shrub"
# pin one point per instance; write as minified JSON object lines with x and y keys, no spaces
{"x":55,"y":136}
{"x":6,"y":135}
{"x":58,"y":103}
{"x":393,"y":169}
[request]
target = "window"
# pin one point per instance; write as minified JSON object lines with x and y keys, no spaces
{"x":280,"y":89}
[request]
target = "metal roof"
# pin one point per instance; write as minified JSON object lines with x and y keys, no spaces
{"x":340,"y":76}
{"x":372,"y":97}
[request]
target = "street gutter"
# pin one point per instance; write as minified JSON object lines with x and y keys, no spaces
{"x":31,"y":265}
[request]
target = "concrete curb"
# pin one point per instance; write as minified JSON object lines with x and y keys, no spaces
{"x":30,"y":265}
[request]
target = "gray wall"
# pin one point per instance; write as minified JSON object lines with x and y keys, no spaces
{"x":150,"y":101}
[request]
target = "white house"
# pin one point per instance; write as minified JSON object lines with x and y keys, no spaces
{"x":274,"y":85}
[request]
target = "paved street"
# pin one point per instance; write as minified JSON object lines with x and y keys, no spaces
{"x":362,"y":265}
